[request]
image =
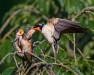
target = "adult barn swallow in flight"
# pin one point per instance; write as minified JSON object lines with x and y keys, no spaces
{"x":23,"y":43}
{"x":53,"y":29}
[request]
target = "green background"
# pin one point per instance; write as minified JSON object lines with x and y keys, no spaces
{"x":30,"y":12}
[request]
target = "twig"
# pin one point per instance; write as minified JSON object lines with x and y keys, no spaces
{"x":36,"y":56}
{"x":16,"y":64}
{"x":39,"y":63}
{"x":83,"y":11}
{"x":37,"y":20}
{"x":78,"y":50}
{"x":87,"y":9}
{"x":68,"y":68}
{"x":35,"y":71}
{"x":8,"y":20}
{"x":89,"y":12}
{"x":33,"y":65}
{"x":34,"y":44}
{"x":77,"y":16}
{"x":40,"y":50}
{"x":46,"y":70}
{"x":61,"y":64}
{"x":38,"y":12}
{"x":63,"y":50}
{"x":38,"y":42}
{"x":6,"y":57}
{"x":90,"y":29}
{"x":42,"y":72}
{"x":13,"y":14}
{"x":52,"y":73}
{"x":45,"y":17}
{"x":15,"y":61}
{"x":83,"y":56}
{"x":74,"y":48}
{"x":8,"y":33}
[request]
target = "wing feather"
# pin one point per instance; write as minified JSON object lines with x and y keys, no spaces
{"x":66,"y":26}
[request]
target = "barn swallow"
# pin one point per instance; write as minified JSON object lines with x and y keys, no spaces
{"x":54,"y":28}
{"x":23,"y":43}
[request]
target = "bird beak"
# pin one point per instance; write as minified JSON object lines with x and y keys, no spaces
{"x":21,"y":31}
{"x":37,"y":28}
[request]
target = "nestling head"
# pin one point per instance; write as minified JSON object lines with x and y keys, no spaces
{"x":19,"y":33}
{"x":28,"y":32}
{"x":38,"y":27}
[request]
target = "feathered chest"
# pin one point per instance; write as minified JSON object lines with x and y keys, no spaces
{"x":25,"y":44}
{"x":48,"y":31}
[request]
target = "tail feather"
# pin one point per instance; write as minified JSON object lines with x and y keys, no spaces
{"x":55,"y":49}
{"x":28,"y":57}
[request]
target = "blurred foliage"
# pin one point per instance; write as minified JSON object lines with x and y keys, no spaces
{"x":23,"y":13}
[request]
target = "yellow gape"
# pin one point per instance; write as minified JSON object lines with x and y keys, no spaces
{"x":21,"y":31}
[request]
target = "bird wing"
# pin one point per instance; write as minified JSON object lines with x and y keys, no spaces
{"x":64,"y":26}
{"x":28,"y":51}
{"x":16,"y":45}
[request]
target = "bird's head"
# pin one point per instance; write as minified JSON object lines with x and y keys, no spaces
{"x":28,"y":32}
{"x":19,"y":33}
{"x":38,"y":27}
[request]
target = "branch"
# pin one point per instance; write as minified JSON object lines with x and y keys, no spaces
{"x":8,"y":33}
{"x":35,"y":71}
{"x":9,"y":19}
{"x":77,"y":16}
{"x":16,"y":64}
{"x":6,"y":57}
{"x":79,"y":51}
{"x":46,"y":70}
{"x":33,"y":65}
{"x":74,"y":48}
{"x":68,"y":68}
{"x":82,"y":12}
{"x":39,"y":63}
{"x":61,"y":64}
{"x":15,"y":61}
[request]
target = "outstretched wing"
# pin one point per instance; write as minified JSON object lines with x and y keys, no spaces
{"x":65,"y":26}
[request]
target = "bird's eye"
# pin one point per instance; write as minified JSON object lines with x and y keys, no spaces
{"x":21,"y":31}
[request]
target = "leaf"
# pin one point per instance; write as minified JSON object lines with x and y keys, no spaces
{"x":8,"y":71}
{"x":76,"y":70}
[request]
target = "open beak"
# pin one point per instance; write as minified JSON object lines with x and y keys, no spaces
{"x":37,"y":29}
{"x":21,"y":31}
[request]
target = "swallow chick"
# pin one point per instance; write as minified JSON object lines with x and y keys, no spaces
{"x":54,"y":28}
{"x":23,"y":43}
